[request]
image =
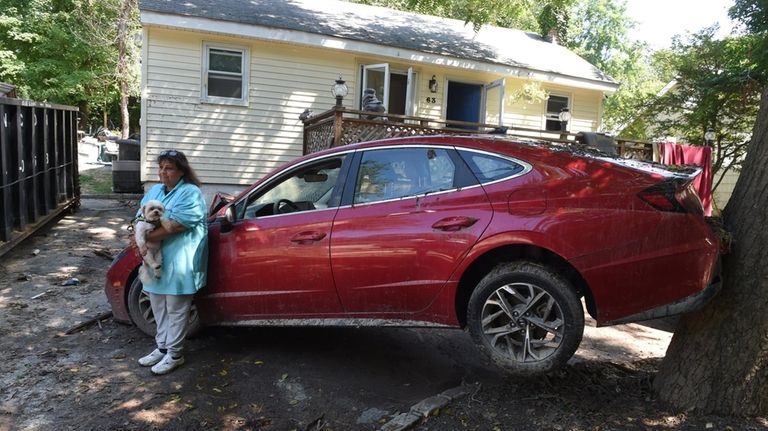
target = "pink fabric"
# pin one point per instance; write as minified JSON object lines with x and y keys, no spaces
{"x":678,"y":154}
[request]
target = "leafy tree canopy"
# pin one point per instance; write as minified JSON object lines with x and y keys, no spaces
{"x":63,"y":51}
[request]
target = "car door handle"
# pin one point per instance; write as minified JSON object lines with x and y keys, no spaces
{"x":454,"y":223}
{"x":302,"y":237}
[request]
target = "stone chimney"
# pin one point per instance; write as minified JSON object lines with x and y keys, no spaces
{"x":551,"y":36}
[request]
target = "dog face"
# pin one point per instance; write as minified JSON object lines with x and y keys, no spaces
{"x":153,"y":210}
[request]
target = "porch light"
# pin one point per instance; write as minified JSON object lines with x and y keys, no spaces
{"x":709,"y":136}
{"x":339,"y":90}
{"x":564,"y":117}
{"x":433,"y":84}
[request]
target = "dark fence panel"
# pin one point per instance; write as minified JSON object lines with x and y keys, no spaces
{"x":38,"y":166}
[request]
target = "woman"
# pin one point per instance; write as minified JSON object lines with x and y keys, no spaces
{"x":185,"y":258}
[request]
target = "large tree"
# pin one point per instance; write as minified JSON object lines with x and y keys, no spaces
{"x":599,"y":31}
{"x":74,"y":52}
{"x":715,"y":87}
{"x":717,"y":361}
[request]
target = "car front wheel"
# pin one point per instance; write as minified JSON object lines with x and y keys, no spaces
{"x":526,"y":318}
{"x":141,"y":312}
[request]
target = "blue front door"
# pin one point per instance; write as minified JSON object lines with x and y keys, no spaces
{"x":463,"y":103}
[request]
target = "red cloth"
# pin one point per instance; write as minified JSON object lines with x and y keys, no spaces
{"x":678,"y":154}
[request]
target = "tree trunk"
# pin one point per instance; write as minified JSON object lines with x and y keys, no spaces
{"x":123,"y":24}
{"x":717,"y":361}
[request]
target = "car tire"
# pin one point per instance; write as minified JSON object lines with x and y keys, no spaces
{"x":526,"y":318}
{"x":142,"y":316}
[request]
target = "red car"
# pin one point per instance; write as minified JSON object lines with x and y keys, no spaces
{"x":498,"y":236}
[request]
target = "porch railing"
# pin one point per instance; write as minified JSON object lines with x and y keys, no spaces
{"x":38,"y":166}
{"x":341,"y":126}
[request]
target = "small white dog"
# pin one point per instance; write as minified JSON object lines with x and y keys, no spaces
{"x":152,"y":213}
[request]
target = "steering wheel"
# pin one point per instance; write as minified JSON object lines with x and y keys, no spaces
{"x":282,"y":204}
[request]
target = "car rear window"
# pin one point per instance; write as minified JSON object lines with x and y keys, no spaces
{"x":488,"y":167}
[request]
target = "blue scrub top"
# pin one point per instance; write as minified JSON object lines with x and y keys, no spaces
{"x":185,"y":255}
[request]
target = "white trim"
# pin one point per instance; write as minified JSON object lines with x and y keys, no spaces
{"x":384,"y":68}
{"x":490,"y":86}
{"x":143,"y":126}
{"x":245,"y":66}
{"x":366,"y":48}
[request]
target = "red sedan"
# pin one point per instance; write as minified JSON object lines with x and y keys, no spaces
{"x":500,"y":237}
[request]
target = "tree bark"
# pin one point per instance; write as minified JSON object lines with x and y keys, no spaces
{"x":123,"y":32}
{"x":717,"y":361}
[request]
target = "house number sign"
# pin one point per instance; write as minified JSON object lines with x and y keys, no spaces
{"x":431,"y":100}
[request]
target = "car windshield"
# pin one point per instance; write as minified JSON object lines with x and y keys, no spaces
{"x":308,"y":188}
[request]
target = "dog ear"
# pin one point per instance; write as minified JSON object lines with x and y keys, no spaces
{"x":143,"y":210}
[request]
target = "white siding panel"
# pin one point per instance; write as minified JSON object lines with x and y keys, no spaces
{"x":234,"y":144}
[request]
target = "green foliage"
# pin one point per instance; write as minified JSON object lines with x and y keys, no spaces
{"x":599,"y":32}
{"x":63,"y":51}
{"x":519,"y":14}
{"x":717,"y":86}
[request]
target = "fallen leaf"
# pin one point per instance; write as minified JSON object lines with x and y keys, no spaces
{"x":283,"y":377}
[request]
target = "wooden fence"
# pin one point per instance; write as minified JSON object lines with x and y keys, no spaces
{"x":38,"y":166}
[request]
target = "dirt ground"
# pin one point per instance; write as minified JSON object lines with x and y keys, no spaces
{"x":284,"y":378}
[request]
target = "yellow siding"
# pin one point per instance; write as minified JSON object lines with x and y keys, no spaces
{"x":233,"y":144}
{"x":725,"y":189}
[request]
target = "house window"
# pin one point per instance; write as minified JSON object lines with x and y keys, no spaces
{"x":555,"y":105}
{"x":225,"y":74}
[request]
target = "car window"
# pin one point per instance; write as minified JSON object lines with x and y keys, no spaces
{"x":394,"y":173}
{"x":307,"y":188}
{"x":487,"y":167}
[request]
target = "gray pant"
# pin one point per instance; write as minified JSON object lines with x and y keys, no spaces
{"x":172,"y":316}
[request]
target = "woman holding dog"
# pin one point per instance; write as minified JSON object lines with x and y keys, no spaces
{"x":185,"y":258}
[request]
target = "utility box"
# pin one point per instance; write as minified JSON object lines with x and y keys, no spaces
{"x":126,"y":177}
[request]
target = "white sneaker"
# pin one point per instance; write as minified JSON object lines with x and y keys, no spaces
{"x":167,"y":364}
{"x":151,"y":359}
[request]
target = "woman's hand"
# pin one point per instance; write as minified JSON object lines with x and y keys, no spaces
{"x":166,"y":229}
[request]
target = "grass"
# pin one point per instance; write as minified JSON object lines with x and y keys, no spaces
{"x":96,"y":181}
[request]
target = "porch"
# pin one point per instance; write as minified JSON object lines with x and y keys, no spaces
{"x":342,"y":126}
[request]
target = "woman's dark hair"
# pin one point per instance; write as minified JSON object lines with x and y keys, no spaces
{"x":180,"y":160}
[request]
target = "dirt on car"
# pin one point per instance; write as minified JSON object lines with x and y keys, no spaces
{"x":68,"y":366}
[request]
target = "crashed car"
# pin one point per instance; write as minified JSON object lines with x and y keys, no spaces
{"x":508,"y":239}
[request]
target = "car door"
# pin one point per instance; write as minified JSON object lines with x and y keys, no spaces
{"x":413,"y":214}
{"x":273,"y":260}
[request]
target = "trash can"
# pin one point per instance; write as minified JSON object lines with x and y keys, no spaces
{"x":126,"y":177}
{"x":128,"y":149}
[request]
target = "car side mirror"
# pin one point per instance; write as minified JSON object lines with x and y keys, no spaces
{"x":228,"y":219}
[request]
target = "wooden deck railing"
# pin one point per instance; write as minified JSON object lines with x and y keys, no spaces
{"x":341,"y":126}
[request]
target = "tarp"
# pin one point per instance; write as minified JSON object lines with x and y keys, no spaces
{"x":679,"y":154}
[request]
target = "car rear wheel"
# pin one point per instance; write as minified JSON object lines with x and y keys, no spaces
{"x":526,"y":318}
{"x":141,"y":312}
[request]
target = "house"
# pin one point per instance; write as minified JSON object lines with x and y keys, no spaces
{"x":7,"y":90}
{"x":226,"y":80}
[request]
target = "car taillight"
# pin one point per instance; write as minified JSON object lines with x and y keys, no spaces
{"x":673,"y":196}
